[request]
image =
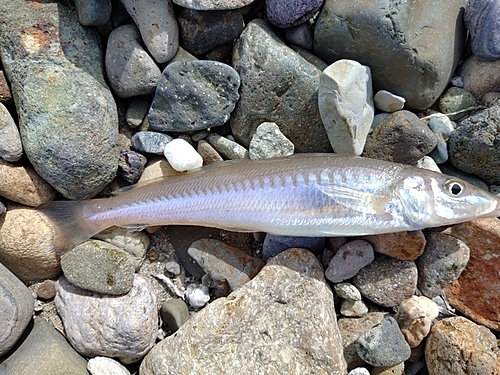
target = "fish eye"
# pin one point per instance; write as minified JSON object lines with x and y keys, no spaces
{"x":454,"y":187}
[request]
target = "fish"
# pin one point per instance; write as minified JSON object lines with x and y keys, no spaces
{"x":311,"y":195}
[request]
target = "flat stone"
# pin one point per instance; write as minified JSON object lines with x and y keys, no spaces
{"x":345,"y":101}
{"x":269,"y":142}
{"x":263,"y":327}
{"x":11,"y":148}
{"x":213,"y":4}
{"x":400,"y":245}
{"x":150,"y":142}
{"x":414,"y":317}
{"x":481,"y":19}
{"x":93,"y":12}
{"x":174,"y":312}
{"x":106,"y":366}
{"x":442,"y":127}
{"x":348,"y":260}
{"x":454,"y":100}
{"x":273,"y":244}
{"x":131,"y":165}
{"x":227,"y":148}
{"x":290,"y":13}
{"x":388,"y":102}
{"x":182,"y":156}
{"x":208,"y":153}
{"x":480,"y":76}
{"x":157,"y":167}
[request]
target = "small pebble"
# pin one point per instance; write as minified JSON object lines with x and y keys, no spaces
{"x":414,"y":317}
{"x":273,"y":245}
{"x":136,"y":112}
{"x":46,"y":291}
{"x":173,"y":268}
{"x":174,"y":313}
{"x":208,"y":153}
{"x":269,"y":142}
{"x":200,"y":135}
{"x":388,"y":102}
{"x":106,"y":366}
{"x":456,"y":99}
{"x":227,"y":148}
{"x":398,"y":369}
{"x":359,"y":371}
{"x":442,"y":126}
{"x":348,"y":260}
{"x":400,"y":245}
{"x":150,"y":142}
{"x":347,"y":291}
{"x":428,"y":163}
{"x":353,"y":308}
{"x":300,"y":35}
{"x":182,"y":156}
{"x":131,"y":165}
{"x":197,"y":295}
{"x":11,"y":148}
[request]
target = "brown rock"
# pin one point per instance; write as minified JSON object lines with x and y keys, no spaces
{"x":480,"y":76}
{"x":5,"y":94}
{"x":46,"y":290}
{"x":402,"y":245}
{"x":208,"y":153}
{"x":476,"y":293}
{"x":414,"y":317}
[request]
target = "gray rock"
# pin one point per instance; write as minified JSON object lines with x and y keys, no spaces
{"x":284,"y":92}
{"x":388,"y":102}
{"x":300,"y":36}
{"x":442,"y":127}
{"x":130,"y":69}
{"x":348,"y":260}
{"x":100,"y":267}
{"x":456,"y":99}
{"x":68,"y":122}
{"x":3,"y":209}
{"x":269,"y":142}
{"x":387,"y":281}
{"x":150,"y":142}
{"x":123,"y":327}
{"x":44,"y":352}
{"x":174,"y":313}
{"x":136,"y":112}
{"x":131,"y":165}
{"x":227,"y":148}
{"x":16,"y":308}
{"x":194,"y":95}
{"x":383,"y":345}
{"x":273,"y":244}
{"x":93,"y":12}
{"x":291,"y":13}
{"x":11,"y":148}
{"x":263,"y":327}
{"x":213,"y":4}
{"x":442,"y":262}
{"x":481,"y":19}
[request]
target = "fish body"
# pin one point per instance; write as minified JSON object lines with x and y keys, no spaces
{"x":301,"y":195}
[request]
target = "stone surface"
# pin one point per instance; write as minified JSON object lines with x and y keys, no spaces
{"x":479,"y":76}
{"x":481,"y":19}
{"x":194,"y":95}
{"x":345,"y":101}
{"x":227,"y":148}
{"x":208,"y":153}
{"x":136,"y":112}
{"x":442,"y":127}
{"x":150,"y":142}
{"x":347,"y":291}
{"x":123,"y":327}
{"x":5,"y":94}
{"x":300,"y":36}
{"x":68,"y":114}
{"x":457,"y":346}
{"x":359,"y":371}
{"x":93,"y":12}
{"x":46,"y":291}
{"x":400,"y":245}
{"x":269,"y":142}
{"x":353,"y":308}
{"x":425,"y":41}
{"x":388,"y":102}
{"x":11,"y":148}
{"x":398,"y":369}
{"x":262,"y":327}
{"x":414,"y":317}
{"x":182,"y":156}
{"x":131,"y":165}
{"x":106,"y":366}
{"x":273,"y":244}
{"x":174,"y":313}
{"x":288,"y":13}
{"x":285,"y":92}
{"x":456,"y":99}
{"x":349,"y":259}
{"x":213,"y":4}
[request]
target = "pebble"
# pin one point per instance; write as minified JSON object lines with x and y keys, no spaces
{"x":122,"y":327}
{"x":150,"y":142}
{"x":388,"y":102}
{"x":157,"y":25}
{"x":5,"y":94}
{"x":106,"y":366}
{"x":387,"y":281}
{"x":428,"y":163}
{"x":194,"y":95}
{"x":457,"y":346}
{"x":480,"y":76}
{"x":345,"y":100}
{"x":383,"y":345}
{"x":131,"y":165}
{"x":93,"y":12}
{"x":481,"y":19}
{"x":414,"y":317}
{"x":260,"y":328}
{"x":353,"y":308}
{"x":300,"y":36}
{"x":490,"y":98}
{"x":182,"y":156}
{"x":213,"y":4}
{"x":359,"y":371}
{"x":286,"y":14}
{"x":208,"y":153}
{"x":456,"y":99}
{"x":227,"y":148}
{"x":400,"y":245}
{"x":398,"y":369}
{"x":442,"y":262}
{"x":173,"y":268}
{"x":174,"y":312}
{"x":136,"y":112}
{"x":130,"y":69}
{"x":197,"y":295}
{"x":269,"y":142}
{"x":157,"y":167}
{"x":442,"y":127}
{"x":11,"y":148}
{"x":347,"y":291}
{"x":349,"y":260}
{"x":46,"y":291}
{"x":273,"y":244}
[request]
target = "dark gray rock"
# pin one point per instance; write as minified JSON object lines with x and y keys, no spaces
{"x":131,"y":165}
{"x":150,"y":142}
{"x":273,"y":245}
{"x":174,"y":313}
{"x":67,"y":115}
{"x":93,"y":12}
{"x":194,"y":95}
{"x":3,"y":209}
{"x":301,"y":36}
{"x":412,"y":48}
{"x":288,"y":13}
{"x":11,"y":148}
{"x":481,"y":18}
{"x":136,"y":112}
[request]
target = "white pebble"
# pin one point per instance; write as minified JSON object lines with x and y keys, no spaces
{"x":359,"y":371}
{"x":106,"y":366}
{"x":197,"y":295}
{"x":428,"y":163}
{"x":182,"y":156}
{"x":388,"y":102}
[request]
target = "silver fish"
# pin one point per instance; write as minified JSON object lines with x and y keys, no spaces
{"x":300,"y":195}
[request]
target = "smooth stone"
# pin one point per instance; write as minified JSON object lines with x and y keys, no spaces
{"x":402,"y":138}
{"x":130,"y":69}
{"x":5,"y":94}
{"x":182,"y":156}
{"x":227,"y":148}
{"x":213,"y":4}
{"x":157,"y":167}
{"x":383,"y":345}
{"x":122,"y":327}
{"x":208,"y":153}
{"x":285,"y":92}
{"x":359,"y":371}
{"x":56,"y":76}
{"x":16,"y":308}
{"x":387,"y":281}
{"x":44,"y":352}
{"x":150,"y":142}
{"x":273,"y":244}
{"x":202,"y":31}
{"x":157,"y":25}
{"x":457,"y":346}
{"x":292,"y":12}
{"x":174,"y":312}
{"x":300,"y":36}
{"x":197,"y":295}
{"x":46,"y":291}
{"x":93,"y":12}
{"x":269,"y":142}
{"x":11,"y":148}
{"x":388,"y":102}
{"x":479,"y":76}
{"x":414,"y":317}
{"x":131,"y":165}
{"x":481,"y":19}
{"x":353,"y":308}
{"x":491,"y":98}
{"x":474,"y":147}
{"x":400,"y":245}
{"x":424,"y":49}
{"x":442,"y":127}
{"x":345,"y":101}
{"x":349,"y":260}
{"x":347,"y":291}
{"x":194,"y":95}
{"x":106,"y":366}
{"x":428,"y":163}
{"x":262,"y":327}
{"x":173,"y":268}
{"x":442,"y":262}
{"x":136,"y":112}
{"x":454,"y":100}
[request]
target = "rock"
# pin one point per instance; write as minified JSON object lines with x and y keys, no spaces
{"x":479,"y":76}
{"x":400,"y":245}
{"x":414,"y":317}
{"x":269,"y":142}
{"x":201,"y":31}
{"x":285,"y":92}
{"x":428,"y":163}
{"x":94,"y":12}
{"x":398,"y":369}
{"x":481,"y":19}
{"x":347,"y":291}
{"x":227,"y":148}
{"x":197,"y":295}
{"x":16,"y":305}
{"x":224,"y":263}
{"x":475,"y":292}
{"x":131,"y":165}
{"x":44,"y":352}
{"x":46,"y":291}
{"x":285,"y":337}
{"x":383,"y":345}
{"x":290,"y":12}
{"x":56,"y":75}
{"x":123,"y":327}
{"x":130,"y":69}
{"x":136,"y":112}
{"x":100,"y":267}
{"x":157,"y":25}
{"x":182,"y":156}
{"x":194,"y":95}
{"x":174,"y":312}
{"x":387,"y":281}
{"x":474,"y":147}
{"x":353,"y":308}
{"x":173,"y":268}
{"x":442,"y":127}
{"x":213,"y":4}
{"x":418,"y":67}
{"x":28,"y":244}
{"x":300,"y":36}
{"x":11,"y":148}
{"x":442,"y":262}
{"x":388,"y":102}
{"x":5,"y":94}
{"x":456,"y":346}
{"x":208,"y":153}
{"x":273,"y":244}
{"x":401,"y":138}
{"x":348,"y":260}
{"x":345,"y":101}
{"x":359,"y":371}
{"x":157,"y":167}
{"x":150,"y":142}
{"x":106,"y":366}
{"x":490,"y":98}
{"x":454,"y":100}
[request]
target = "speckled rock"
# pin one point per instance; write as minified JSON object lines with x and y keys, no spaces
{"x":122,"y":327}
{"x":174,"y":313}
{"x":229,"y":332}
{"x":347,"y":291}
{"x":286,"y":92}
{"x":229,"y":149}
{"x":288,"y":13}
{"x":400,"y":245}
{"x":442,"y":127}
{"x":269,"y":142}
{"x":414,"y":317}
{"x":106,"y":366}
{"x":213,"y":4}
{"x":55,"y":68}
{"x":481,"y":19}
{"x":348,"y":260}
{"x":456,"y":99}
{"x":398,"y":369}
{"x":46,"y":291}
{"x":11,"y":148}
{"x":131,"y":165}
{"x":150,"y":142}
{"x":273,"y":244}
{"x":479,"y":76}
{"x":93,"y":12}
